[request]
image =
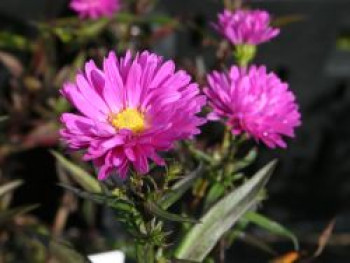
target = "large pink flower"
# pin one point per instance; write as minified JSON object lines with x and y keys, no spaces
{"x":246,"y":26}
{"x":254,"y":101}
{"x":95,"y":8}
{"x":129,"y":111}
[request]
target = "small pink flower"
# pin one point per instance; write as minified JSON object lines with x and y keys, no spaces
{"x":246,"y":26}
{"x":254,"y":101}
{"x":130,"y":111}
{"x":95,"y":8}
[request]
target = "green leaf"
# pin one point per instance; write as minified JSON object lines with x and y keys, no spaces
{"x":183,"y":261}
{"x":246,"y":160}
{"x":4,"y":189}
{"x":60,"y":250}
{"x":94,"y":28}
{"x":64,"y":34}
{"x":255,"y":242}
{"x":65,"y":253}
{"x":84,"y":179}
{"x":124,"y":17}
{"x":271,"y":226}
{"x":8,"y":215}
{"x":13,"y":41}
{"x":201,"y":239}
{"x":162,"y":20}
{"x":216,"y":191}
{"x":178,"y":190}
{"x":156,"y":210}
{"x":107,"y":200}
{"x":287,"y":19}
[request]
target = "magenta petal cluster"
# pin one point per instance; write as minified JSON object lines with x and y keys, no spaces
{"x":246,"y":26}
{"x":253,"y":101}
{"x":129,"y":111}
{"x":95,"y":8}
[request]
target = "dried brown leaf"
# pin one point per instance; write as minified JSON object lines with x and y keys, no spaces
{"x":324,"y":238}
{"x":11,"y":63}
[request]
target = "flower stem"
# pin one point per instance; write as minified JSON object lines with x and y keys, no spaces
{"x":226,"y":141}
{"x":145,"y":253}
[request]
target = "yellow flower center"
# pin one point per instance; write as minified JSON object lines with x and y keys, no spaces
{"x":130,"y":119}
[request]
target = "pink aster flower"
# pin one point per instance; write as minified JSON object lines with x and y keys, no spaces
{"x":254,"y":101}
{"x":130,"y":111}
{"x":246,"y":26}
{"x":95,"y":8}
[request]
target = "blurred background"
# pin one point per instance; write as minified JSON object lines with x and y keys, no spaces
{"x":312,"y":184}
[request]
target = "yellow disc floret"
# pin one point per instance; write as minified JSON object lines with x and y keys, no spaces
{"x":130,"y":119}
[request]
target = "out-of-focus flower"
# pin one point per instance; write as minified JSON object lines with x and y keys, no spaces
{"x":244,"y":27}
{"x":130,"y":110}
{"x":253,"y":101}
{"x":95,"y":8}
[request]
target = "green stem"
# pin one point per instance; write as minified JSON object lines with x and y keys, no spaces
{"x":145,"y":253}
{"x":198,"y":154}
{"x":139,"y":253}
{"x":225,"y":145}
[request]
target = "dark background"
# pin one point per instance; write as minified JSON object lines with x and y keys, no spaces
{"x":312,"y":183}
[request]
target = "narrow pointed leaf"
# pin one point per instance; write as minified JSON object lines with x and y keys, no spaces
{"x":160,"y":212}
{"x":201,"y":239}
{"x":216,"y":191}
{"x":125,"y":17}
{"x":271,"y":226}
{"x":246,"y":160}
{"x":94,"y":29}
{"x":288,"y":19}
{"x":65,"y":253}
{"x":180,"y":188}
{"x":79,"y":175}
{"x":6,"y":188}
{"x":162,"y":20}
{"x":11,"y":213}
{"x":60,"y":250}
{"x":10,"y":40}
{"x":110,"y":201}
{"x":256,"y":242}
